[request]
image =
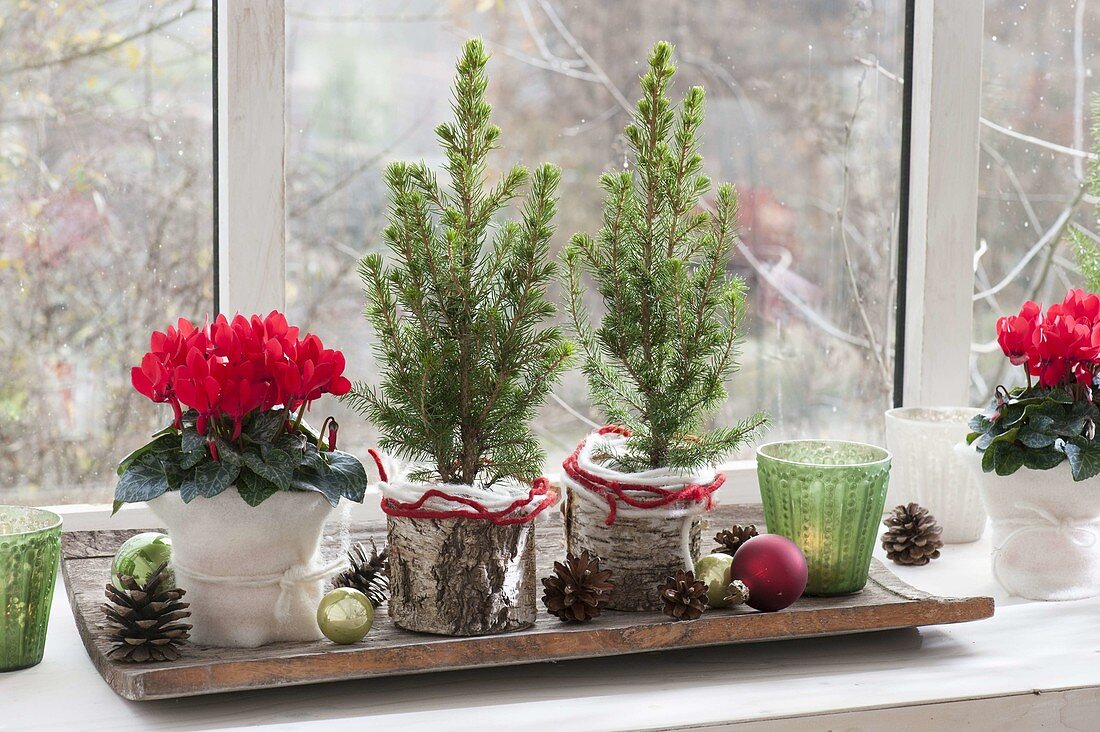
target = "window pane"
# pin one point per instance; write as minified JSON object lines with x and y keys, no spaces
{"x":804,"y":115}
{"x":1039,"y":71}
{"x":105,"y":204}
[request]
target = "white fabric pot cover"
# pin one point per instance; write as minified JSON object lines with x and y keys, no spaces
{"x":253,"y":575}
{"x":1046,"y":528}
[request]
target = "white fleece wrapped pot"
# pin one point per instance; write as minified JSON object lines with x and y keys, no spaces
{"x":1046,"y":530}
{"x":253,"y":575}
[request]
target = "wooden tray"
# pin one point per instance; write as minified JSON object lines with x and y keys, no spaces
{"x":886,"y":602}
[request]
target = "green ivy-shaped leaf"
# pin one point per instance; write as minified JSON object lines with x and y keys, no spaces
{"x":191,"y":441}
{"x":1084,"y":458}
{"x":346,"y":478}
{"x":265,"y":425}
{"x":227,"y":452}
{"x":144,"y":479}
{"x":163,"y":442}
{"x":276,"y":466}
{"x":211,"y":478}
{"x":254,"y":489}
{"x":1043,"y":459}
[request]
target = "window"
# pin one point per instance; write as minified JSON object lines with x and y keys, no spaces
{"x":107,"y":156}
{"x":1040,"y":62}
{"x":804,"y":115}
{"x":106,"y":207}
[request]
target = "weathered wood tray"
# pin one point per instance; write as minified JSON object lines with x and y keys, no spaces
{"x":886,"y":602}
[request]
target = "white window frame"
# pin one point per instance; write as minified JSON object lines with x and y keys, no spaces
{"x":946,"y":41}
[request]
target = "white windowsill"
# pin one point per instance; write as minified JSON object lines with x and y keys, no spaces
{"x":1033,"y":665}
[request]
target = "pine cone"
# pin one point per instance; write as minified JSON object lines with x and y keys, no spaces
{"x":685,"y":597}
{"x":144,"y":619}
{"x":579,"y":589}
{"x":912,"y":536}
{"x":730,"y":540}
{"x":369,"y":575}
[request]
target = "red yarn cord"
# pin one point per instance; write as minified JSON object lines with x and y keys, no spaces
{"x":620,"y":490}
{"x":504,"y":517}
{"x":377,"y":458}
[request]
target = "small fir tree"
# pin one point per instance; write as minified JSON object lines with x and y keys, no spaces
{"x":1086,"y":249}
{"x":659,"y":359}
{"x":466,"y":355}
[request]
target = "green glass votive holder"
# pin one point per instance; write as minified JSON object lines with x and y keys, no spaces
{"x":30,"y":549}
{"x":827,"y":497}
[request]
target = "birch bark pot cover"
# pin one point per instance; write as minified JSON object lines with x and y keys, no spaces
{"x":241,"y":482}
{"x":644,"y":526}
{"x":462,"y":558}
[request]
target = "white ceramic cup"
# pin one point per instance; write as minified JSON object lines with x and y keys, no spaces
{"x":928,"y":471}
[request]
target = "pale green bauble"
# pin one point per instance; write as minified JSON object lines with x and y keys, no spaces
{"x":345,"y":615}
{"x":714,"y":569}
{"x":139,"y":556}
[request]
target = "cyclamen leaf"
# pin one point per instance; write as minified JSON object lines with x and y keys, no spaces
{"x":189,"y":460}
{"x":1043,"y":459}
{"x":163,"y":442}
{"x":346,"y":478}
{"x":1009,"y":458}
{"x":275,"y":466}
{"x":212,"y":478}
{"x":254,"y":489}
{"x":1084,"y":458}
{"x":265,"y":425}
{"x":192,"y":441}
{"x":227,"y":451}
{"x":145,"y":479}
{"x":1035,"y":439}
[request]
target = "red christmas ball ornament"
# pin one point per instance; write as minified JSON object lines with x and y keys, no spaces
{"x":772,"y":569}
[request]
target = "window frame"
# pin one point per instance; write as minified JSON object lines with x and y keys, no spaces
{"x":939,"y":195}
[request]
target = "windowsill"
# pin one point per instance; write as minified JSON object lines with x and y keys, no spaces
{"x":935,"y":678}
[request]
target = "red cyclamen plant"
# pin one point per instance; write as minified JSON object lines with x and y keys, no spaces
{"x":1054,"y":417}
{"x":239,"y":389}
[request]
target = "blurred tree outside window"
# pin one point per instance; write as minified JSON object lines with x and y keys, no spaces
{"x":105,"y":226}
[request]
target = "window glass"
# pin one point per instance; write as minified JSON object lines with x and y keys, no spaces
{"x":804,"y":115}
{"x":1040,"y":64}
{"x":105,"y":227}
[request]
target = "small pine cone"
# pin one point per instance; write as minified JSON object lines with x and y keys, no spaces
{"x":730,"y":540}
{"x":912,"y":536}
{"x":579,"y":589}
{"x":144,"y":619}
{"x":684,"y":596}
{"x":368,"y":574}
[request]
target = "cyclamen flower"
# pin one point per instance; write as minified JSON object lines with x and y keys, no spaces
{"x":1015,"y":333}
{"x":229,"y":369}
{"x":1059,"y":347}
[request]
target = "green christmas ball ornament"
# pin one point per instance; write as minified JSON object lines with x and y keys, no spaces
{"x":139,"y":556}
{"x":714,"y":569}
{"x":345,"y":615}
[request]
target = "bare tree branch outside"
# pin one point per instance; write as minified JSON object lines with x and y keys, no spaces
{"x":106,"y":203}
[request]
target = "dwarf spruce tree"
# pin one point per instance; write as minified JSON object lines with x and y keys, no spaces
{"x":658,"y":360}
{"x":465,"y":350}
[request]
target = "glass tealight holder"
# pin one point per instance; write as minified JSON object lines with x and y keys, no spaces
{"x":827,"y":497}
{"x":30,"y":549}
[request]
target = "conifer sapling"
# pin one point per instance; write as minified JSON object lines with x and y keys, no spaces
{"x":658,"y":360}
{"x":465,"y":351}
